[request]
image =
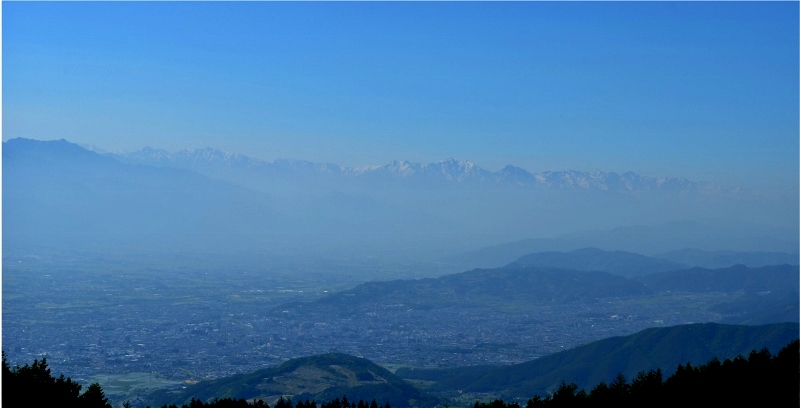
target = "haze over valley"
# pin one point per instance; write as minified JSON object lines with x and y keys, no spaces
{"x":165,"y":270}
{"x":209,"y":200}
{"x":422,"y":204}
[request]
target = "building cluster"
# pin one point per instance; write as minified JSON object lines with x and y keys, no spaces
{"x":210,"y":335}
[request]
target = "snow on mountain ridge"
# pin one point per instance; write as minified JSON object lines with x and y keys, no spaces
{"x":449,"y":171}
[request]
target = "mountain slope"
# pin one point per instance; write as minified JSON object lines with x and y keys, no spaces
{"x":510,"y":285}
{"x":60,"y":196}
{"x":656,"y":238}
{"x":768,"y":294}
{"x":57,"y":193}
{"x":761,"y":308}
{"x":776,"y":278}
{"x":620,"y":263}
{"x":723,"y":259}
{"x":321,"y":378}
{"x":602,"y":360}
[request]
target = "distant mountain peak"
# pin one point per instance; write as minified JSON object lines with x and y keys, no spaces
{"x":448,"y":171}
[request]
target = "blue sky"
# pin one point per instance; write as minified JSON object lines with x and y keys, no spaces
{"x":707,"y":91}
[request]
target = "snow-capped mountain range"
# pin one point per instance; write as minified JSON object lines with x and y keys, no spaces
{"x":58,"y":193}
{"x":214,"y":162}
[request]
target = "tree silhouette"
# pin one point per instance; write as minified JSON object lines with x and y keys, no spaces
{"x":23,"y":385}
{"x":94,"y":397}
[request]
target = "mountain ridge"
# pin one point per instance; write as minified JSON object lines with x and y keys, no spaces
{"x":424,"y":210}
{"x":483,"y":287}
{"x":622,"y":263}
{"x":601,"y":360}
{"x":448,"y":171}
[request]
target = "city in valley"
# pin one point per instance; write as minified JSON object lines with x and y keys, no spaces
{"x":407,"y":204}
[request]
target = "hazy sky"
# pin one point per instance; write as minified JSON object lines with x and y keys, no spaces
{"x":707,"y":91}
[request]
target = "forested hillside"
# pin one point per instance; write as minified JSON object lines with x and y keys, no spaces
{"x":663,"y":348}
{"x":321,"y":378}
{"x":760,"y":379}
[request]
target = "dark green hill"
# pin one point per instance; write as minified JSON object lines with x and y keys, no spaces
{"x":776,"y":278}
{"x":602,"y":360}
{"x":321,"y":377}
{"x":620,"y":263}
{"x":447,"y":378}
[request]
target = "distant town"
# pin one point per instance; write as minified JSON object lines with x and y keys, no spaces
{"x":215,"y":330}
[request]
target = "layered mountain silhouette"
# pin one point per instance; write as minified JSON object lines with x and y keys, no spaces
{"x":742,"y":241}
{"x":60,"y":195}
{"x":592,"y":259}
{"x":722,"y":259}
{"x":752,"y":295}
{"x":485,"y":288}
{"x":775,"y":278}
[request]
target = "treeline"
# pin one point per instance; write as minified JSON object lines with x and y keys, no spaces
{"x":32,"y":385}
{"x":758,"y":380}
{"x":281,"y":403}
